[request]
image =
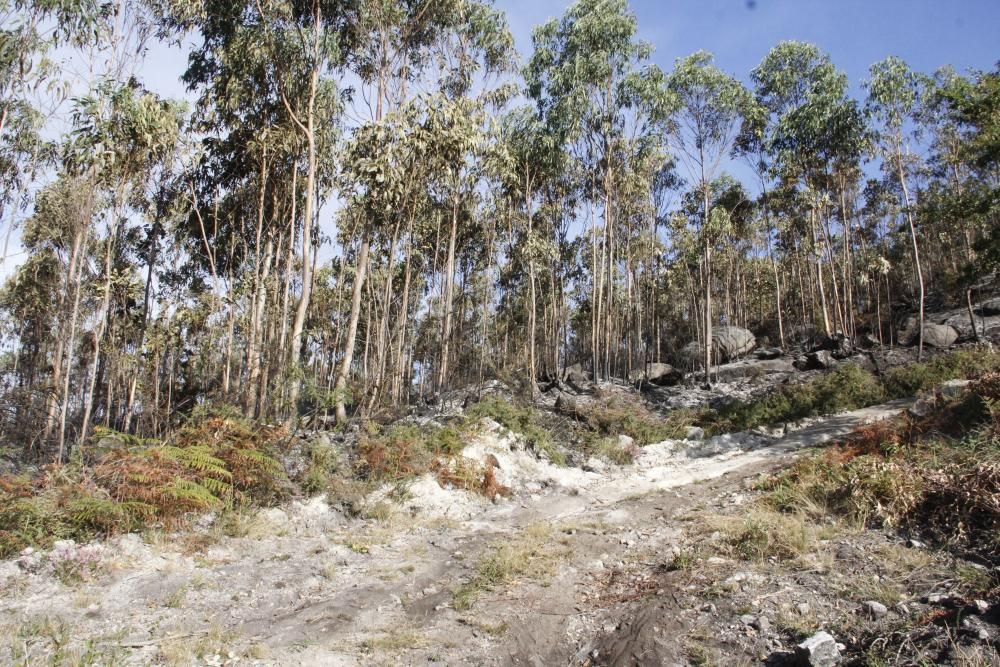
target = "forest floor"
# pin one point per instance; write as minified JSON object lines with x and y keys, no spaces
{"x":624,"y":565}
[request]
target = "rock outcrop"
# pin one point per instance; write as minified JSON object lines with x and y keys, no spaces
{"x":939,"y":335}
{"x":656,"y":373}
{"x":731,"y":342}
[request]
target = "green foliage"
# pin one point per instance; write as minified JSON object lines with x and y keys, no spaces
{"x":613,"y":418}
{"x":323,"y":463}
{"x":893,"y":93}
{"x":964,"y":364}
{"x":709,"y":105}
{"x":763,"y":536}
{"x":846,"y":388}
{"x":849,"y":387}
{"x":26,"y":522}
{"x":522,"y":420}
{"x":610,"y":450}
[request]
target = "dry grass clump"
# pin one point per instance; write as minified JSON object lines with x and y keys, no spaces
{"x":406,"y":451}
{"x":765,"y":534}
{"x":532,"y":554}
{"x":613,"y":451}
{"x":937,"y":476}
{"x":463,"y":473}
{"x":394,"y":641}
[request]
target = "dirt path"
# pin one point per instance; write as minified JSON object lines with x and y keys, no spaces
{"x":515,"y":583}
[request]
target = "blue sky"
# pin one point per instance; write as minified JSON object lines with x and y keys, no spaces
{"x":856,"y":33}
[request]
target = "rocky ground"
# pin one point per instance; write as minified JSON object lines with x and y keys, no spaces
{"x":670,"y":559}
{"x":644,"y":564}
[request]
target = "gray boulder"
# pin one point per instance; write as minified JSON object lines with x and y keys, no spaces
{"x":692,"y":355}
{"x":575,"y":373}
{"x":989,"y":308}
{"x":752,"y":368}
{"x":694,"y":433}
{"x":939,"y":335}
{"x":874,"y":609}
{"x":731,"y":342}
{"x":656,"y":373}
{"x":820,"y":650}
{"x":819,"y":360}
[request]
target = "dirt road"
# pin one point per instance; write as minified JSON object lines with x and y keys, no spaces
{"x":534,"y":580}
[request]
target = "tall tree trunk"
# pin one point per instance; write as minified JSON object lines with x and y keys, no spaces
{"x":707,"y":274}
{"x":255,"y":388}
{"x":340,"y":387}
{"x":309,"y":129}
{"x":532,"y":305}
{"x":52,"y":421}
{"x":399,"y":372}
{"x":916,"y":254}
{"x":449,"y":296}
{"x":70,"y":354}
{"x":818,"y":253}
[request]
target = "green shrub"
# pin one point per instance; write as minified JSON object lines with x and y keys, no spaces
{"x":616,"y":418}
{"x":215,"y":460}
{"x":323,"y":462}
{"x":522,"y":420}
{"x":848,"y":387}
{"x":966,"y":363}
{"x":26,"y":522}
{"x":909,"y":475}
{"x":610,"y":450}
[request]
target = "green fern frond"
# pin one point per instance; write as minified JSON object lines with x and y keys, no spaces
{"x":259,"y":459}
{"x":217,"y":487}
{"x":106,"y":515}
{"x":198,"y":458}
{"x":127,"y":440}
{"x":191,"y":493}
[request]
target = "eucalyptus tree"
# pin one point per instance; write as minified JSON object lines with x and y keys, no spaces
{"x":710,"y":105}
{"x":120,"y":133}
{"x":31,"y":31}
{"x":589,"y":78}
{"x":396,"y":46}
{"x":972,"y":139}
{"x":524,"y":157}
{"x":813,"y":129}
{"x":751,"y":145}
{"x":270,"y":104}
{"x":894,"y":92}
{"x":379,"y":163}
{"x":665,"y":185}
{"x":471,"y":63}
{"x":43,"y":301}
